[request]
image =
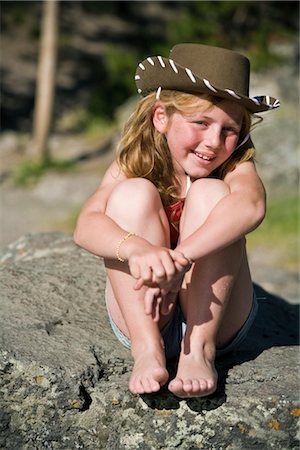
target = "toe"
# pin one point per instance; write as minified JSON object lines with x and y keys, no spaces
{"x":147,"y":385}
{"x":132,"y":387}
{"x":138,"y":386}
{"x":196,"y":389}
{"x":211,"y":386}
{"x":175,"y":386}
{"x":188,"y":386}
{"x":155,"y":386}
{"x":202,"y":386}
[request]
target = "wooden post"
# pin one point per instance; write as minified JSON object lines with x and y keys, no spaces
{"x":45,"y":86}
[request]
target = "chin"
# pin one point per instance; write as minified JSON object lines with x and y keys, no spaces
{"x":203,"y":173}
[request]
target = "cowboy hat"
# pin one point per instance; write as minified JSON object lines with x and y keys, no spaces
{"x":202,"y":69}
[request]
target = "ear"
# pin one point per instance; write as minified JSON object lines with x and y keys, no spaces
{"x":160,"y":118}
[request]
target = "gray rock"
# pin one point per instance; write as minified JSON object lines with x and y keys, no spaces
{"x":64,"y":376}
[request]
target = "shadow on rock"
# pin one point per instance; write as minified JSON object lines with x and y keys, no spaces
{"x":165,"y":400}
{"x":276,"y":325}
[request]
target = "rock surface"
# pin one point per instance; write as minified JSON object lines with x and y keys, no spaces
{"x":64,"y":376}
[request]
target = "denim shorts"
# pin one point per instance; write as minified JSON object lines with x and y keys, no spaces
{"x":174,"y":331}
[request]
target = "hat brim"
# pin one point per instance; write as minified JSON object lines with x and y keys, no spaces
{"x":159,"y":72}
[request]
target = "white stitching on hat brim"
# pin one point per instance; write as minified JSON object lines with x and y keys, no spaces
{"x":253,"y":104}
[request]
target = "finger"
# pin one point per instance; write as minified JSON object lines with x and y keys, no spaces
{"x":168,"y":303}
{"x":138,"y":284}
{"x":146,"y":273}
{"x":180,"y":258}
{"x":156,"y":309}
{"x":148,"y":302}
{"x":169,"y":266}
{"x":181,"y":268}
{"x":159,"y":273}
{"x":166,"y":309}
{"x":134,"y":269}
{"x":149,"y":299}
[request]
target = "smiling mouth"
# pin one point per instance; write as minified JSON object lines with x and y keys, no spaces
{"x":205,"y":157}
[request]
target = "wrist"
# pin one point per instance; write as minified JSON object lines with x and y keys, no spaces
{"x":121,"y":247}
{"x":186,"y":254}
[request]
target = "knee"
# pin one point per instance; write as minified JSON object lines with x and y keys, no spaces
{"x":210,"y":186}
{"x":134,"y":194}
{"x":204,"y":194}
{"x":208,"y":190}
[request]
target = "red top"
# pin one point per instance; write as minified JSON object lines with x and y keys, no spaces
{"x":173,"y":213}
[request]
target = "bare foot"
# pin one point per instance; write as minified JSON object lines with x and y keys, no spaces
{"x":196,"y":376}
{"x":149,"y":374}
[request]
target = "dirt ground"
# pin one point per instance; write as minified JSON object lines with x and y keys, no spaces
{"x":52,"y":202}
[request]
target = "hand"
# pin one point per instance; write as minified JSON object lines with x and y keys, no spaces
{"x":161,"y":296}
{"x":152,"y":265}
{"x":171,"y":282}
{"x":158,"y":302}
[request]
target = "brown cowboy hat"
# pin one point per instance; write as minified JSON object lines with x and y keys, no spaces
{"x":202,"y":69}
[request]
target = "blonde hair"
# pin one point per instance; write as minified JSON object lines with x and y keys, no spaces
{"x":143,"y":152}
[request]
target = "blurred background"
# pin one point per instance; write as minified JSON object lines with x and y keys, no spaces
{"x":67,"y":86}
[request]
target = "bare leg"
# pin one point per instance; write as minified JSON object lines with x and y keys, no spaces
{"x":216,"y":299}
{"x":135,"y":205}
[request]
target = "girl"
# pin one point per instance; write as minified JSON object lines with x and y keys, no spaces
{"x":171,"y":215}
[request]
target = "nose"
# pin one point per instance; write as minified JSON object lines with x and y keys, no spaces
{"x":213,"y":137}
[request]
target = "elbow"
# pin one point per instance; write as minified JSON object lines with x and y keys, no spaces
{"x":259,"y":213}
{"x":261,"y":207}
{"x":78,"y":237}
{"x":263,"y":211}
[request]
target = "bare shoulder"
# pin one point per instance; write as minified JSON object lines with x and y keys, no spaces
{"x":98,"y":200}
{"x":113,"y":175}
{"x":244,"y":176}
{"x":244,"y":168}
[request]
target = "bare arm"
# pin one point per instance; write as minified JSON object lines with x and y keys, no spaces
{"x":95,"y":231}
{"x":99,"y":234}
{"x":148,"y":264}
{"x":235,"y":215}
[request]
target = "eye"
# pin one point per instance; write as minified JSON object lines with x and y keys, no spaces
{"x":200,"y":123}
{"x":231,"y":131}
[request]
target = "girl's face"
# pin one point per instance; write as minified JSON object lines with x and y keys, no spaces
{"x":200,"y":142}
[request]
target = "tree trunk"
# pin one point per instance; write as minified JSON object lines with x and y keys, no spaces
{"x":45,"y":87}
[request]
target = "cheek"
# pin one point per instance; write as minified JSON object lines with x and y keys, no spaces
{"x":228,"y":151}
{"x":176,"y":140}
{"x":231,"y":144}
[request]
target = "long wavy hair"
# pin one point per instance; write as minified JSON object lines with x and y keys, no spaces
{"x":143,"y":152}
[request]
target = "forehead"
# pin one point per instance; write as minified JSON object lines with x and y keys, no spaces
{"x":211,"y":107}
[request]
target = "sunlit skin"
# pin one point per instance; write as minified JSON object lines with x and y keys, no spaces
{"x":208,"y":268}
{"x":201,"y":142}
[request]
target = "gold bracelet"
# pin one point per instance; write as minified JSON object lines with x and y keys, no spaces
{"x":127,"y":236}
